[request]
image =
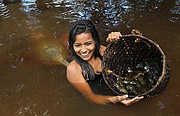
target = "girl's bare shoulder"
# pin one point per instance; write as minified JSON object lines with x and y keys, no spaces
{"x":73,"y":67}
{"x":74,"y":73}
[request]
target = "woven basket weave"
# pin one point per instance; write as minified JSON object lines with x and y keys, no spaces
{"x":133,"y":51}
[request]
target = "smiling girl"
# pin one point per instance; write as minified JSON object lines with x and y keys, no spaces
{"x":86,"y":66}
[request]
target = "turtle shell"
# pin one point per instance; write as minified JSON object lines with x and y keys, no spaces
{"x":135,"y":65}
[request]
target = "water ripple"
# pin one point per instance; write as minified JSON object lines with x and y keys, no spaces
{"x":4,"y":11}
{"x":11,"y":92}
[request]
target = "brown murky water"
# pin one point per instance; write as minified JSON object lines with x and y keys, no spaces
{"x":32,"y":86}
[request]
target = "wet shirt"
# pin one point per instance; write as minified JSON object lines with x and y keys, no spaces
{"x":98,"y":85}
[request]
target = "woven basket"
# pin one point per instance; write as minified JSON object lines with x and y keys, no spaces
{"x":130,"y":53}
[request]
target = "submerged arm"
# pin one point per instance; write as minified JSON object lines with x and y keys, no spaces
{"x":76,"y":78}
{"x":85,"y":89}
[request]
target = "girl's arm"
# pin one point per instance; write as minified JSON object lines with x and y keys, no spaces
{"x":76,"y":78}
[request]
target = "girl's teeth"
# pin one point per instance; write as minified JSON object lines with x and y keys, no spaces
{"x":84,"y":54}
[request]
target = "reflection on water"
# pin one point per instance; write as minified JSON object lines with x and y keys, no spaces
{"x":31,"y":85}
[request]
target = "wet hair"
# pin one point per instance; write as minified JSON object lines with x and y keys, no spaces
{"x":84,"y":26}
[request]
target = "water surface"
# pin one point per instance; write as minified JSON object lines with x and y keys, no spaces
{"x":32,"y":86}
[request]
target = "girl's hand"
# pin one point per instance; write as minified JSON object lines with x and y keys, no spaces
{"x":129,"y":102}
{"x":125,"y":100}
{"x":113,"y":37}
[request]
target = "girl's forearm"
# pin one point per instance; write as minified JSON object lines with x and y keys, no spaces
{"x":101,"y":99}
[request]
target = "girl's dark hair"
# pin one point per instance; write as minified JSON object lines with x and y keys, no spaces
{"x":84,"y":26}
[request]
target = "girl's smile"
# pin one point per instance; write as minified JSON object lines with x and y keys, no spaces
{"x":84,"y":46}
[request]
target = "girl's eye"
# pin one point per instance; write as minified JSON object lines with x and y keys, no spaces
{"x":88,"y":43}
{"x":77,"y":45}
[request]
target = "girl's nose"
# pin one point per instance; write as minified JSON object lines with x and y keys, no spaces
{"x":83,"y":49}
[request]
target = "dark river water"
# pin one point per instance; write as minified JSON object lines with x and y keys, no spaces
{"x":33,"y":85}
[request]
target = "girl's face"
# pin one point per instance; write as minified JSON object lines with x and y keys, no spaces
{"x":84,"y":46}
